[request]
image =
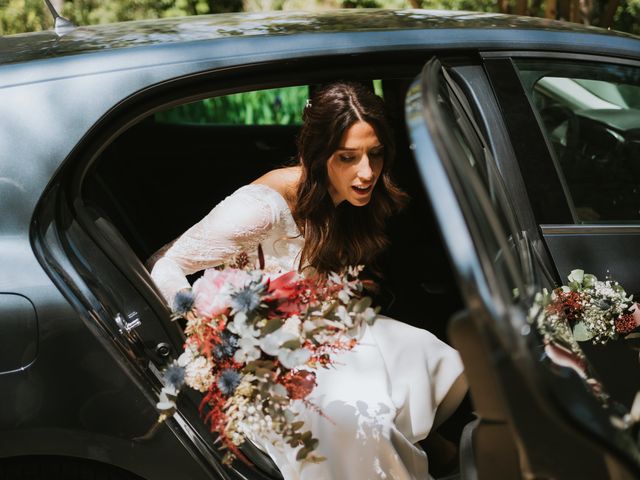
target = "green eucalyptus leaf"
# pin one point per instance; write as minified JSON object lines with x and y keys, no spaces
{"x":291,"y":344}
{"x":581,"y":333}
{"x":576,"y":276}
{"x":295,"y":441}
{"x":302,"y":453}
{"x":263,"y":372}
{"x":272,"y":325}
{"x":362,"y":304}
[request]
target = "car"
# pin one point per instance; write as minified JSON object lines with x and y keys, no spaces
{"x":517,"y":140}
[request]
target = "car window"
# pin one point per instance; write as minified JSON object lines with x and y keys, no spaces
{"x":590,"y":114}
{"x":480,"y":158}
{"x":275,"y":106}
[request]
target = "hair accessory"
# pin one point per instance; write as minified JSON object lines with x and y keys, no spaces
{"x":308,"y":104}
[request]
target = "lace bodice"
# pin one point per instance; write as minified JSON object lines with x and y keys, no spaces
{"x":253,"y":214}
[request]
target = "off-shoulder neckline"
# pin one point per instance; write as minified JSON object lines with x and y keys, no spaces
{"x":275,"y":193}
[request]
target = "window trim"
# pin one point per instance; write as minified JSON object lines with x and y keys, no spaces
{"x":549,"y":200}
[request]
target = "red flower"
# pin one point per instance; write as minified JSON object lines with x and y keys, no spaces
{"x":628,"y":322}
{"x":299,"y":384}
{"x":567,"y":304}
{"x":625,"y":324}
{"x":283,"y":287}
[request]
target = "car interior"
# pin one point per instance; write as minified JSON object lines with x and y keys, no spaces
{"x":160,"y":176}
{"x":592,"y":125}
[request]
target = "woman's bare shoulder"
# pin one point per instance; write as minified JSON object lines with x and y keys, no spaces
{"x":283,"y":180}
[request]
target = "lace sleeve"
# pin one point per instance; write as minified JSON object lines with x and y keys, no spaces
{"x":238,"y":223}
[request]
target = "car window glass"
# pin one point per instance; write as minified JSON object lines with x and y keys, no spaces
{"x":480,"y":158}
{"x":276,"y":106}
{"x":590,"y":114}
{"x":496,"y":225}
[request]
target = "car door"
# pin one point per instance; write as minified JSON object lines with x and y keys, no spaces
{"x":536,"y":418}
{"x":574,"y":121}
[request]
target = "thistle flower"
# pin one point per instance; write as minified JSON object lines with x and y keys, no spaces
{"x":228,"y":381}
{"x":227,"y":347}
{"x":174,"y":375}
{"x":183,"y":301}
{"x":247,"y":299}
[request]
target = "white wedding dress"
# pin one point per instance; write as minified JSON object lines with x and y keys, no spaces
{"x":381,"y":397}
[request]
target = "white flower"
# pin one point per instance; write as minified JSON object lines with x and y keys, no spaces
{"x":240,"y":327}
{"x":309,"y":325}
{"x":247,"y":341}
{"x":272,"y":343}
{"x":292,"y":325}
{"x":247,"y":350}
{"x":343,"y":314}
{"x":344,"y":295}
{"x":198,"y":373}
{"x":293,"y":358}
{"x":369,"y":315}
{"x":187,"y":356}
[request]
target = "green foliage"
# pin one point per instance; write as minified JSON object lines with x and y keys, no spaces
{"x":627,"y":18}
{"x":472,"y":5}
{"x":278,"y":106}
{"x":86,"y":12}
{"x":17,"y":16}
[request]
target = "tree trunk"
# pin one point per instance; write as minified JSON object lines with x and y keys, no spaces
{"x":503,"y":6}
{"x":564,"y":10}
{"x":415,"y":3}
{"x":551,"y":9}
{"x":574,"y":11}
{"x":609,"y":13}
{"x":521,"y":7}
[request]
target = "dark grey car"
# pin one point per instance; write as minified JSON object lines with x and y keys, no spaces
{"x":518,"y":141}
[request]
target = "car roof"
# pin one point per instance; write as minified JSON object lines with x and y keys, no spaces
{"x":95,"y":38}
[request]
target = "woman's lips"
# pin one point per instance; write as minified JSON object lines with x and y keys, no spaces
{"x":362,"y":190}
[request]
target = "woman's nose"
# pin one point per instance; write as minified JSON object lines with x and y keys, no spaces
{"x":364,"y":169}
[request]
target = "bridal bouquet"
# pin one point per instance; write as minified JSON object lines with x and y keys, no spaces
{"x":593,"y":309}
{"x":253,"y":343}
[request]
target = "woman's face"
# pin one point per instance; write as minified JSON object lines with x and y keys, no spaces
{"x":355,"y":166}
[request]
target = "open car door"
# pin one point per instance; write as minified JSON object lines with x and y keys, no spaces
{"x":538,"y":415}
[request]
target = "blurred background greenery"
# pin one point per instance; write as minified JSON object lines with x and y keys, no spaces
{"x":18,"y":16}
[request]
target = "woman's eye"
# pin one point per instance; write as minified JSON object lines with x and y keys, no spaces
{"x":347,"y":158}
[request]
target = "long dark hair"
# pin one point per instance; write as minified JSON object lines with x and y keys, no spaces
{"x":343,"y":235}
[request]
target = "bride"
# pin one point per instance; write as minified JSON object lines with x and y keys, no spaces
{"x":328,"y":212}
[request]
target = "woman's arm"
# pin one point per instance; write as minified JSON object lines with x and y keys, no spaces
{"x":237,"y":224}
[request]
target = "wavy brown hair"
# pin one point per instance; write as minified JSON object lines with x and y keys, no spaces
{"x":342,"y":235}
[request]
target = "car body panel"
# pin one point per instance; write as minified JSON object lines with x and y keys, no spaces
{"x":84,"y":39}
